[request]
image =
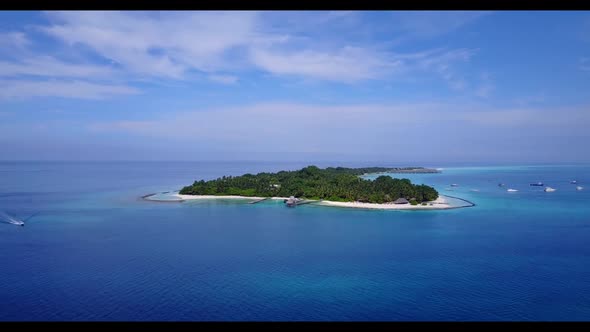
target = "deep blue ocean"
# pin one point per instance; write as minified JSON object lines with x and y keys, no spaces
{"x":94,"y":250}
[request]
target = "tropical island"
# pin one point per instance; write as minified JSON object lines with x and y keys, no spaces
{"x":333,"y":184}
{"x":413,"y":170}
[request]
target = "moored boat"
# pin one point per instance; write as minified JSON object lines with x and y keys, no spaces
{"x":579,"y":188}
{"x":291,"y":201}
{"x":538,"y":184}
{"x":512,"y":190}
{"x":549,"y":189}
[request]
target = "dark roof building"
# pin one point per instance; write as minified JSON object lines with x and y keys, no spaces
{"x":401,"y":200}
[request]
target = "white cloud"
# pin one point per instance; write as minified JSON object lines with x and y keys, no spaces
{"x":543,"y":120}
{"x":348,"y":124}
{"x":223,"y":79}
{"x":348,"y":64}
{"x":21,"y":89}
{"x":442,"y":61}
{"x":399,"y":131}
{"x":162,"y":44}
{"x":434,"y":23}
{"x":286,"y":120}
{"x":219,"y":45}
{"x":13,"y":40}
{"x":169,"y":44}
{"x":51,"y":67}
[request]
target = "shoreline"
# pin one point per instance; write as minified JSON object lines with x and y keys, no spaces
{"x":182,"y":198}
{"x":192,"y":197}
{"x":439,"y":204}
{"x":443,"y":202}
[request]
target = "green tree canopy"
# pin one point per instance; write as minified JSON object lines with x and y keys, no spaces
{"x":335,"y":184}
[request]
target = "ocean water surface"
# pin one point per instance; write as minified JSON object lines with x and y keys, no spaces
{"x":94,"y":250}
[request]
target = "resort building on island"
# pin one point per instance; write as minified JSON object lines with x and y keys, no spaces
{"x":401,"y":200}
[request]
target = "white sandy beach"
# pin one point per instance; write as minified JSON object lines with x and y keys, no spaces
{"x":440,"y":203}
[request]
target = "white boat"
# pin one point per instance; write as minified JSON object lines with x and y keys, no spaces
{"x":579,"y":188}
{"x":574,"y":182}
{"x":292,"y":201}
{"x":454,"y":185}
{"x":549,"y":189}
{"x":6,"y":218}
{"x":512,"y":190}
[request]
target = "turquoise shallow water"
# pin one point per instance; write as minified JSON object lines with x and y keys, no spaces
{"x":95,"y":251}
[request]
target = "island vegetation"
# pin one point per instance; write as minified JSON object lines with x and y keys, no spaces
{"x":332,"y":184}
{"x":413,"y":170}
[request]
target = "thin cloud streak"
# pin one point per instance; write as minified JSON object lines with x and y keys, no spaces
{"x":21,"y":89}
{"x":48,"y":66}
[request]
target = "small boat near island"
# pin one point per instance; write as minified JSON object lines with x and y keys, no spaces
{"x":291,"y":201}
{"x":454,"y":185}
{"x":549,"y":189}
{"x":512,"y":190}
{"x":538,"y":184}
{"x":579,"y":188}
{"x":294,"y":201}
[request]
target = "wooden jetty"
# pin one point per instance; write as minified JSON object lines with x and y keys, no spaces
{"x":259,"y":200}
{"x":305,"y":202}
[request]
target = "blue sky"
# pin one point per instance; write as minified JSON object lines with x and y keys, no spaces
{"x":374,"y":85}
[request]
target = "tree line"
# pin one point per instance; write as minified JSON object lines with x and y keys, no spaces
{"x":332,"y":183}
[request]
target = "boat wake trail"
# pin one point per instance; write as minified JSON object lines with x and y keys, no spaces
{"x":7,"y":219}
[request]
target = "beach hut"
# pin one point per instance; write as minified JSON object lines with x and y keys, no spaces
{"x":401,"y":200}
